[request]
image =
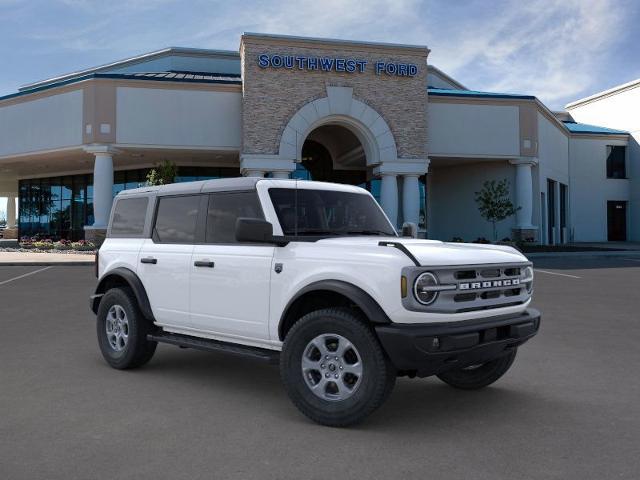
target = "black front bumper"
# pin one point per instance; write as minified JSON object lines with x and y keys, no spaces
{"x":429,"y":349}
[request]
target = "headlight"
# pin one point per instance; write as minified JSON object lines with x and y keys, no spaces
{"x":526,"y":277}
{"x":425,"y":288}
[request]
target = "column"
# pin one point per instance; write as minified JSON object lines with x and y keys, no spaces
{"x":280,"y":174}
{"x":11,"y":212}
{"x":254,"y":173}
{"x":389,"y":196}
{"x":102,"y":184}
{"x":411,"y":198}
{"x":524,"y":229}
{"x":524,"y":192}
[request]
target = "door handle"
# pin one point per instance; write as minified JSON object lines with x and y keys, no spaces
{"x":149,"y":260}
{"x":203,"y":263}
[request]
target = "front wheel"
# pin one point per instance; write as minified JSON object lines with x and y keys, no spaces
{"x":122,"y":330}
{"x":479,"y":376}
{"x":334,"y":369}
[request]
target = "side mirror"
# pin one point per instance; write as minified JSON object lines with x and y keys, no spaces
{"x":410,"y":230}
{"x":254,"y":230}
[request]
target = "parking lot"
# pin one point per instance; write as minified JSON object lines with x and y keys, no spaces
{"x":569,"y":408}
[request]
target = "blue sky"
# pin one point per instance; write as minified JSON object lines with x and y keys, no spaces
{"x":556,"y":50}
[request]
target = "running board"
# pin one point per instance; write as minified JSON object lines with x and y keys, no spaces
{"x":209,"y":345}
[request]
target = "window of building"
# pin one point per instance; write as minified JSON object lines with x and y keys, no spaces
{"x":224,"y":209}
{"x":176,"y":219}
{"x":128,"y":217}
{"x":616,"y":161}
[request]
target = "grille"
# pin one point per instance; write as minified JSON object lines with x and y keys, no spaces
{"x":471,"y":288}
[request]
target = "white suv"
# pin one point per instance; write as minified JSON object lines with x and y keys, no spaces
{"x":313,"y":276}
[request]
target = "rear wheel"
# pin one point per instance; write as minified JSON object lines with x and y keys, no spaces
{"x":122,"y":330}
{"x":334,"y":368}
{"x":479,"y":376}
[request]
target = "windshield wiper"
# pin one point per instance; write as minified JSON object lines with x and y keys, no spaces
{"x":316,"y":231}
{"x":370,"y":232}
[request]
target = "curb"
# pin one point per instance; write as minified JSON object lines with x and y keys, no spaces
{"x":47,"y":264}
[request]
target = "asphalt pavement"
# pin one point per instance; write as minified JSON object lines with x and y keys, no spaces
{"x":568,"y":409}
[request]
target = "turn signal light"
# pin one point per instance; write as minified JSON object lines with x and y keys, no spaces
{"x":403,"y":286}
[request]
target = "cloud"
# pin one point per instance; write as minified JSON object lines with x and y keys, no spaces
{"x":555,"y":50}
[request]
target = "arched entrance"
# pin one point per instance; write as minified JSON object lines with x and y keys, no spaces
{"x":332,"y":153}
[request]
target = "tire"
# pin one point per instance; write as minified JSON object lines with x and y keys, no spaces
{"x":124,"y":346}
{"x":479,"y":376}
{"x":365,"y":377}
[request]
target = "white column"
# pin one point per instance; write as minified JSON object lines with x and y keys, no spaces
{"x":389,"y":196}
{"x":102,"y":184}
{"x":524,"y":192}
{"x":280,"y":174}
{"x":11,"y":212}
{"x":254,"y":173}
{"x":411,"y":198}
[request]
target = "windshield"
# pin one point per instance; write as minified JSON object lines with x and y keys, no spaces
{"x":323,"y":213}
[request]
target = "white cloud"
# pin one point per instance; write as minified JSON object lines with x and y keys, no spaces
{"x":555,"y":50}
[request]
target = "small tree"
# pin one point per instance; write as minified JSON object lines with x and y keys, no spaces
{"x":494,"y":203}
{"x":163,"y":173}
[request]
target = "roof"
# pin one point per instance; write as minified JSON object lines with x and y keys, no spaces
{"x":445,"y":92}
{"x":171,"y":76}
{"x":216,"y":185}
{"x":575,"y":127}
{"x":145,"y":57}
{"x":335,"y":41}
{"x":435,"y":70}
{"x":604,"y":93}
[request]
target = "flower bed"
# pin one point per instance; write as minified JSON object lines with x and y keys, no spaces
{"x":40,"y":245}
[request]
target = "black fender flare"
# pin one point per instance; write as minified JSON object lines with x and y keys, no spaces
{"x":133,"y":281}
{"x":359,"y":297}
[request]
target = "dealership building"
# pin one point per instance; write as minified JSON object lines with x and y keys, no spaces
{"x":371,"y":114}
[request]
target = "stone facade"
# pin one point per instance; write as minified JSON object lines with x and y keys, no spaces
{"x":272,"y":96}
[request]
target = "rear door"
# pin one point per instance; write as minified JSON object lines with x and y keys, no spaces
{"x":164,"y":260}
{"x":230,"y":280}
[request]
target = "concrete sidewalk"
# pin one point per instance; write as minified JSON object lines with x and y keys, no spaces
{"x":44,"y":259}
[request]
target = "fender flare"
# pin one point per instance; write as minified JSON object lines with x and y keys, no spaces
{"x":359,"y":297}
{"x":133,"y":281}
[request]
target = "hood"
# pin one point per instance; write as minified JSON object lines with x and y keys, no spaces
{"x":436,"y":253}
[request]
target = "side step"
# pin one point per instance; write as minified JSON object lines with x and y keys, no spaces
{"x":209,"y":345}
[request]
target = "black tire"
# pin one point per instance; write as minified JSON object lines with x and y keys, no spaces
{"x":138,"y":350}
{"x":375,"y":384}
{"x":476,"y":377}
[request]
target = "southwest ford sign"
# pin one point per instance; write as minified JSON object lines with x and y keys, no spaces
{"x":335,"y":64}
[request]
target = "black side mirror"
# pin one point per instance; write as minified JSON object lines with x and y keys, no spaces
{"x":254,"y":230}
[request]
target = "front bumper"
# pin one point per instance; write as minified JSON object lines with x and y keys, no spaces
{"x":431,"y":349}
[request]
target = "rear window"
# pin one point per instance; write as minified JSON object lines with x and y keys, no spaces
{"x":128,"y":217}
{"x":176,"y":219}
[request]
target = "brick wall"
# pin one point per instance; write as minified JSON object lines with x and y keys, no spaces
{"x":271,"y":96}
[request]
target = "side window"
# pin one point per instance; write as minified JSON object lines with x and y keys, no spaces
{"x":224,"y":210}
{"x":176,"y":219}
{"x":616,"y":161}
{"x":128,"y":217}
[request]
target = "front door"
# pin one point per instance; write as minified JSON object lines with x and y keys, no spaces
{"x":165,"y":259}
{"x":617,"y":221}
{"x":229,"y":280}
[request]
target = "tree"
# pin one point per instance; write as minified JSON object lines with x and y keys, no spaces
{"x":163,"y":173}
{"x":494,"y":203}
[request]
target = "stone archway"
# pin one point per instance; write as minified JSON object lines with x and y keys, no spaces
{"x":340,"y":108}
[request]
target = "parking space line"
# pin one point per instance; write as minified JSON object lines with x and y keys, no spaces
{"x":556,"y":273}
{"x":25,"y":275}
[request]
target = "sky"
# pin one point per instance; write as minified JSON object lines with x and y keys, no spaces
{"x":558,"y":50}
